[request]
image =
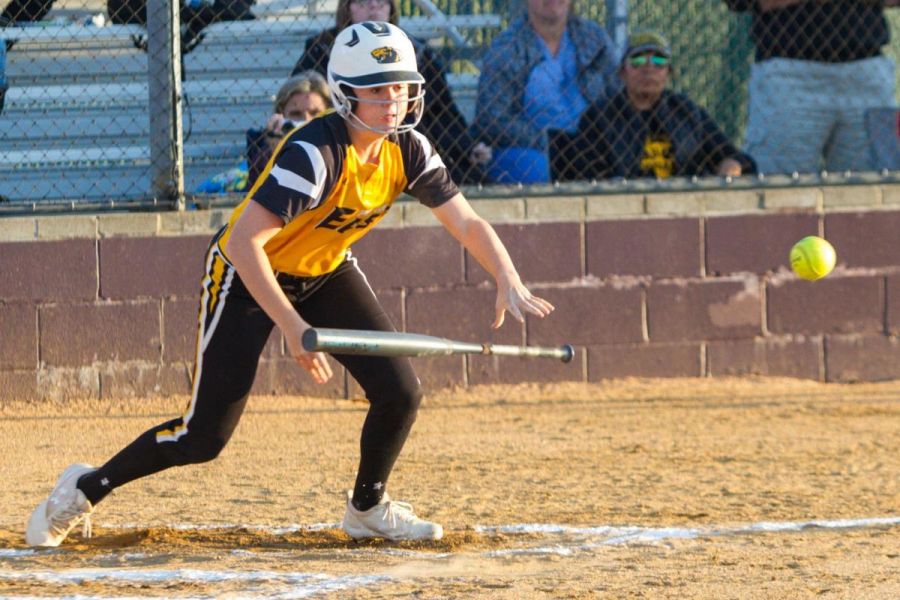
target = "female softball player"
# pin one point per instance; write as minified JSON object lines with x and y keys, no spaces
{"x":283,"y":259}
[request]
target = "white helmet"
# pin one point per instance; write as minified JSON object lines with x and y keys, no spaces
{"x":373,"y":54}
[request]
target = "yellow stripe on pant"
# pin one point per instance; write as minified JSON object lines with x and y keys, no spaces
{"x":216,"y":283}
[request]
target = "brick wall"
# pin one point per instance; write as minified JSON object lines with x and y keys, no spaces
{"x":663,"y":285}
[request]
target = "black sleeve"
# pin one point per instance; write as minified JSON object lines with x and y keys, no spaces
{"x":428,"y":180}
{"x":741,"y":5}
{"x":716,"y":147}
{"x":585,"y":153}
{"x":562,"y":154}
{"x":748,"y":163}
{"x":296,"y":182}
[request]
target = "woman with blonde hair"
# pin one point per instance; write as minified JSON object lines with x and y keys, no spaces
{"x":300,"y":99}
{"x":442,"y":121}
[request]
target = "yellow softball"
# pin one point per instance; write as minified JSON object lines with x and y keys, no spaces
{"x":812,"y":258}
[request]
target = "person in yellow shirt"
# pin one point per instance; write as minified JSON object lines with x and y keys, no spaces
{"x":284,"y":259}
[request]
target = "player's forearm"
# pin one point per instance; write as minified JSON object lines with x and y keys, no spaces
{"x":478,"y":237}
{"x":253,"y":266}
{"x":482,"y":242}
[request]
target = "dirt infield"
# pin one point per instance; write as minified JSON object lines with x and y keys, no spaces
{"x":659,"y":489}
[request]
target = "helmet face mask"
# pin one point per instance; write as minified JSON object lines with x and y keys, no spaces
{"x":374,"y":54}
{"x":411,"y":106}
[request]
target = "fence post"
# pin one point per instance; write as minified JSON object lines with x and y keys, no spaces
{"x":164,"y":79}
{"x":617,"y":23}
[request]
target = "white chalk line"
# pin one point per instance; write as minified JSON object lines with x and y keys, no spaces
{"x":303,"y":585}
{"x":327,"y":586}
{"x":300,"y":585}
{"x":651,"y":535}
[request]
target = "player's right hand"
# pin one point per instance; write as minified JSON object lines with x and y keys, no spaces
{"x":315,"y":363}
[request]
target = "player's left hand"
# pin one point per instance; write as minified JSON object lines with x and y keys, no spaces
{"x":516,"y":299}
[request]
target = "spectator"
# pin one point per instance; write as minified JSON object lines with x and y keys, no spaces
{"x":550,"y":50}
{"x":301,"y":98}
{"x":818,"y":68}
{"x":646,"y":130}
{"x":196,"y":15}
{"x":442,"y":121}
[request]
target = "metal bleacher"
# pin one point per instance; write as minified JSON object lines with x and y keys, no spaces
{"x":76,"y":126}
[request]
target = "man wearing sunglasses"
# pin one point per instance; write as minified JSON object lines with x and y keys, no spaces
{"x":647,"y":130}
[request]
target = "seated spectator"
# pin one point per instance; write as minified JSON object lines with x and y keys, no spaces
{"x":819,"y":67}
{"x":442,"y":122}
{"x":646,"y":130}
{"x":301,"y":98}
{"x":540,"y":74}
{"x":196,"y":15}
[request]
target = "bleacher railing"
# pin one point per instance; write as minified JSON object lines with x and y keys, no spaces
{"x":126,"y":104}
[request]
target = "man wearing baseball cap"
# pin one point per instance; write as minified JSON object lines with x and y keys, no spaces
{"x":647,"y":41}
{"x":647,"y":130}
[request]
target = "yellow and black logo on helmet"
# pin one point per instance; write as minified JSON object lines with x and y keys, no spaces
{"x":386,"y":55}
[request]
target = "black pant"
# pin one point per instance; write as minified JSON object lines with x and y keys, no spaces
{"x":26,"y":10}
{"x":233,"y":332}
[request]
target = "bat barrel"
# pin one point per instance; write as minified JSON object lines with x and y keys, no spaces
{"x":381,"y":343}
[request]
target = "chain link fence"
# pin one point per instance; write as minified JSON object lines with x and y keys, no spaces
{"x":113,"y":102}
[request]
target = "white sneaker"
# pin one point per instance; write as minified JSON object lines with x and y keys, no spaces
{"x":55,"y":517}
{"x":391,"y":520}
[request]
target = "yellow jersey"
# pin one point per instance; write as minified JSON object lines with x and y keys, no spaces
{"x":328,"y":198}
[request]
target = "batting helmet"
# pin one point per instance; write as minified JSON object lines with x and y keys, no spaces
{"x":373,"y":54}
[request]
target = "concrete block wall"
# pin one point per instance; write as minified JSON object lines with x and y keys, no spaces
{"x":659,"y":285}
